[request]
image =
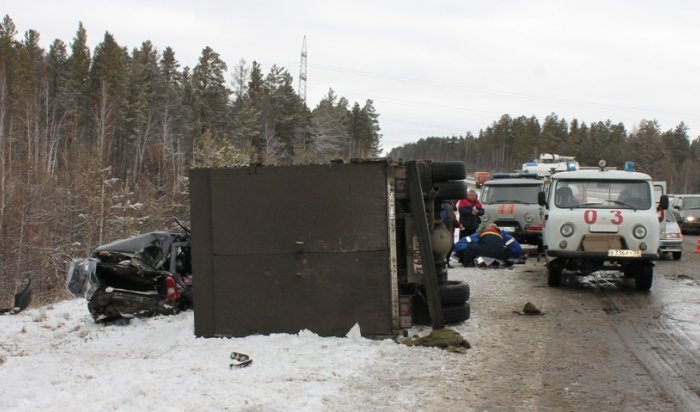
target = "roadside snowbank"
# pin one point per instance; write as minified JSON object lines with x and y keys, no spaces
{"x":57,"y":358}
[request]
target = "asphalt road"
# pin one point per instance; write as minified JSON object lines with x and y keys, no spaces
{"x":599,"y":345}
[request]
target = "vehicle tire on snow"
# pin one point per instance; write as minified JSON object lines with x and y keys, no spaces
{"x":554,"y":269}
{"x":445,"y":171}
{"x":645,"y":277}
{"x":454,"y":292}
{"x":451,"y":190}
{"x":456,"y":313}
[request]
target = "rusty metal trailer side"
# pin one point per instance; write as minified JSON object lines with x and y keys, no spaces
{"x":281,"y":249}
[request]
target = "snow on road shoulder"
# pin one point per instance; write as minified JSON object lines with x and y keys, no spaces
{"x":57,"y":355}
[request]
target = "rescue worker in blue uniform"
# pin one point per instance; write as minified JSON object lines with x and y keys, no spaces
{"x":491,"y":242}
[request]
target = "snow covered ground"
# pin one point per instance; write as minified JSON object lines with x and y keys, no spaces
{"x":644,"y":355}
{"x":57,"y":358}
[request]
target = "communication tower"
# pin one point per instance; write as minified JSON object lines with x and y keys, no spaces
{"x":302,"y":72}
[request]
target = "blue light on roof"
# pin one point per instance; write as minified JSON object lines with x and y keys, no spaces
{"x":630,"y":166}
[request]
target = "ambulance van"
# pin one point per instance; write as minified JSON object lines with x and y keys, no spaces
{"x":601,"y":220}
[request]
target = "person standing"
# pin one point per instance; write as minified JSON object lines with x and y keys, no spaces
{"x":448,"y":216}
{"x":470,"y":210}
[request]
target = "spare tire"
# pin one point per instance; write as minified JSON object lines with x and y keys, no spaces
{"x":456,"y":313}
{"x":454,"y":292}
{"x":445,"y":171}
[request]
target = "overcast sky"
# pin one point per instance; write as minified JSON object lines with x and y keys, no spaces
{"x":438,"y":68}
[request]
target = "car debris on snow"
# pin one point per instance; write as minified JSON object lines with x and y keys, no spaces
{"x":445,"y":338}
{"x":529,"y":309}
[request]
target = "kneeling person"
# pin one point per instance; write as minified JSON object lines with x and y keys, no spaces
{"x":488,"y":245}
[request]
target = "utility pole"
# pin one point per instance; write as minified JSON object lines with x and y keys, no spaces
{"x":302,"y":72}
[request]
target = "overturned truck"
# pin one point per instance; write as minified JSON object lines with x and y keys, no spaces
{"x":278,"y":249}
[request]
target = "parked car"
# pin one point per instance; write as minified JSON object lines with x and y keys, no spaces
{"x":510,"y":201}
{"x":140,"y":276}
{"x":686,"y":210}
{"x":670,"y":238}
{"x":601,"y":220}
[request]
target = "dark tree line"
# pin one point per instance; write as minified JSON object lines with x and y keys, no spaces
{"x":95,"y":145}
{"x":509,"y":142}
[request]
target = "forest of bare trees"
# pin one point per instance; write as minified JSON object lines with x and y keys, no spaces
{"x":96,"y":145}
{"x":509,"y":142}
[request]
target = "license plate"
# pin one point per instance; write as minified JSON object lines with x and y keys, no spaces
{"x":624,"y":253}
{"x":510,"y":229}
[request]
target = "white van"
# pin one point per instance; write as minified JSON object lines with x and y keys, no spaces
{"x":601,"y":220}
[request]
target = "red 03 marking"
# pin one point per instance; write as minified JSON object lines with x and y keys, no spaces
{"x":617,"y":219}
{"x":591,"y":216}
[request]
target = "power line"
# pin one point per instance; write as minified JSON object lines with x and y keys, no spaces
{"x":492,"y":92}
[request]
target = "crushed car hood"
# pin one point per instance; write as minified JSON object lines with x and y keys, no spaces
{"x":151,"y":248}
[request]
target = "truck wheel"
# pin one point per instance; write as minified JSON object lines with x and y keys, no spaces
{"x":456,"y":313}
{"x":645,"y":277}
{"x":677,"y":255}
{"x":445,"y":171}
{"x":451,"y":190}
{"x":454,"y":292}
{"x":554,"y":269}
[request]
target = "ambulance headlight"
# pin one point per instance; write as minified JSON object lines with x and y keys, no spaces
{"x":639,"y":231}
{"x":567,"y":229}
{"x":485,"y":217}
{"x":529,"y":218}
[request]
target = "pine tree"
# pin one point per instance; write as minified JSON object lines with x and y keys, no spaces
{"x":373,"y":145}
{"x":172,"y":119}
{"x":554,"y":135}
{"x":526,"y":133}
{"x":645,"y":145}
{"x":255,"y":84}
{"x":57,"y":96}
{"x":77,"y":99}
{"x":246,"y":127}
{"x":239,"y":80}
{"x":356,"y":128}
{"x":329,"y":129}
{"x":291,"y":116}
{"x":108,"y":89}
{"x":210,"y":92}
{"x":676,"y":151}
{"x":145,"y":95}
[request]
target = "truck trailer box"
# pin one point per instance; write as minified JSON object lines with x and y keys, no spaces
{"x":279,"y":249}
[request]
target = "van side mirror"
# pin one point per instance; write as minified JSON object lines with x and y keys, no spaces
{"x":663,"y":202}
{"x":542,"y":198}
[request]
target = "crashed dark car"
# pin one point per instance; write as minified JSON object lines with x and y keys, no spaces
{"x":144,"y":275}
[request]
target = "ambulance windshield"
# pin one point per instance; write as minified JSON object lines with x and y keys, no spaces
{"x":606,"y":194}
